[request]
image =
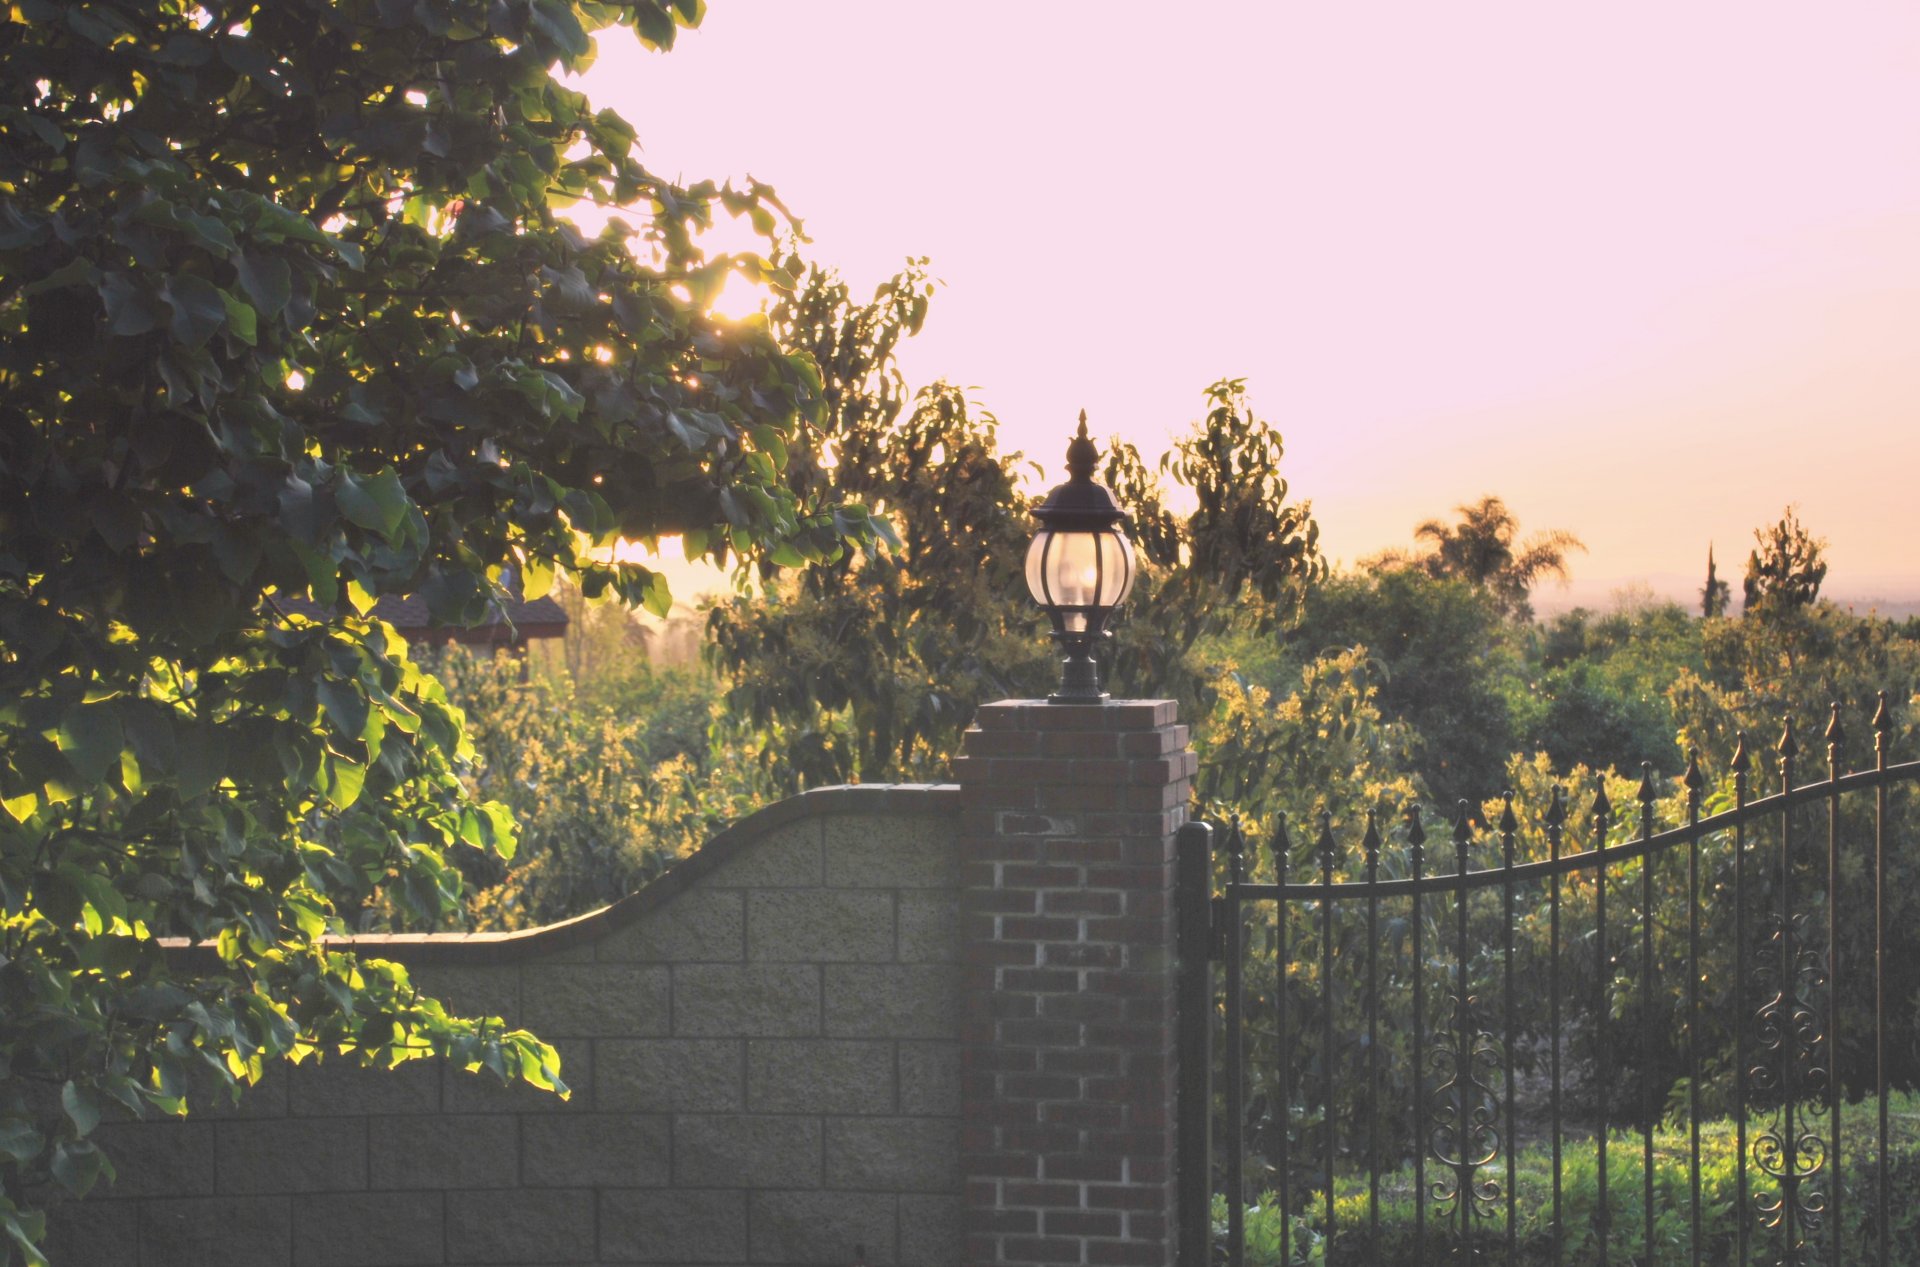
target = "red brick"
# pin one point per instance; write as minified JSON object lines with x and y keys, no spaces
{"x":1081,"y":1166}
{"x":1039,"y":1086}
{"x":1083,"y":851}
{"x":1041,"y":1033}
{"x":999,"y":902}
{"x":1080,"y":955}
{"x":1045,"y":876}
{"x":1013,"y":1007}
{"x":1039,"y":1139}
{"x":1001,"y":743}
{"x":1082,"y":743}
{"x":1082,"y":902}
{"x":1081,"y":1007}
{"x":1083,"y":1223}
{"x":1125,"y":1254}
{"x":1082,"y":1062}
{"x":1007,"y":1220}
{"x":1129,"y":1197}
{"x":1153,"y":1226}
{"x":1048,"y":980}
{"x":1040,"y":1250}
{"x":1032,"y":928}
{"x":1083,"y":1115}
{"x":1041,"y":1194}
{"x":999,"y":1060}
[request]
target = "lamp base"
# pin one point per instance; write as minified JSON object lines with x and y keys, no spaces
{"x":1079,"y":677}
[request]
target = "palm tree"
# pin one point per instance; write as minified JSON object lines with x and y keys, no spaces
{"x":1483,"y":549}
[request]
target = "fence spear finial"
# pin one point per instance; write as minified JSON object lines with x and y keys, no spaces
{"x":1416,"y":834}
{"x":1693,"y":780}
{"x":1557,"y":807}
{"x":1282,"y":845}
{"x":1370,"y":843}
{"x":1789,"y":746}
{"x":1882,"y":724}
{"x":1741,"y":762}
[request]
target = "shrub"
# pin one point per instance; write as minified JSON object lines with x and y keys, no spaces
{"x":1349,"y":1247}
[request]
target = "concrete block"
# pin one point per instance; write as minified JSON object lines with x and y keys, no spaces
{"x":168,"y":1158}
{"x":746,"y":1000}
{"x":891,"y":851}
{"x":266,"y":1098}
{"x":216,"y":1232}
{"x":821,"y":1227}
{"x":893,"y":1154}
{"x":819,"y":926}
{"x":819,"y":1075}
{"x":746,"y":1151}
{"x":369,"y":1229}
{"x":683,"y":1075}
{"x":931,"y":1231}
{"x":94,"y":1232}
{"x":479,"y":990}
{"x":522,"y":1226}
{"x":315,"y":1154}
{"x":595,"y":1001}
{"x":480,"y":1091}
{"x":598,"y":1150}
{"x":701,"y":925}
{"x":892,"y":1001}
{"x":788,"y":856}
{"x":449,"y":1151}
{"x":673,"y":1227}
{"x":930,"y":1079}
{"x":337,"y":1087}
{"x":929,"y":926}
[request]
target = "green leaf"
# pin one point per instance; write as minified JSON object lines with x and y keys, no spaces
{"x":268,"y":281}
{"x":78,"y":1165}
{"x":19,"y":1140}
{"x":82,"y":1110}
{"x":240,"y":320}
{"x":344,"y":781}
{"x":91,"y":737}
{"x":378,"y":504}
{"x":199,"y":308}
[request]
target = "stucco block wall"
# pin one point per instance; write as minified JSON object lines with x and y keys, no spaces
{"x":763,"y":1050}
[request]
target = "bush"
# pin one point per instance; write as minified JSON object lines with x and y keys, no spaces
{"x":1580,"y":1194}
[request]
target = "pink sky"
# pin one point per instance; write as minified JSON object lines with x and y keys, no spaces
{"x":1650,"y":272}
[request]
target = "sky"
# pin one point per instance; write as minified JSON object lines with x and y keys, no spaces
{"x":1649,"y":272}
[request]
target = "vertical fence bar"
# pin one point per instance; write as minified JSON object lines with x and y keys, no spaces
{"x":1647,"y":1038}
{"x":1835,"y":737}
{"x":1603,"y":973}
{"x":1416,"y":857}
{"x":1508,"y":826}
{"x":1463,"y":1039}
{"x":1194,"y":859}
{"x":1556,"y":824}
{"x":1789,"y":1137}
{"x":1370,"y":846}
{"x":1283,"y":1075}
{"x":1740,"y":764}
{"x":1882,"y":723}
{"x":1326,"y":1014}
{"x":1236,"y":1053}
{"x":1694,"y":782}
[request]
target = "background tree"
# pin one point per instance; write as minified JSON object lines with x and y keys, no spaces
{"x":286,"y":311}
{"x":1785,"y":571}
{"x":1484,"y":549}
{"x":1716,"y":594}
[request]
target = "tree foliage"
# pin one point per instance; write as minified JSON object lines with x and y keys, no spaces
{"x":1784,"y":571}
{"x":1484,"y":549}
{"x":286,"y":311}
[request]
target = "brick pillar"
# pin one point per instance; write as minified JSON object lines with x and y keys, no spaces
{"x":1068,"y":1043}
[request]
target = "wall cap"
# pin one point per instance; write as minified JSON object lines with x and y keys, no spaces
{"x":919,"y":799}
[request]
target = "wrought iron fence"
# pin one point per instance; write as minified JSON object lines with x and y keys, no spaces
{"x":1652,"y":983}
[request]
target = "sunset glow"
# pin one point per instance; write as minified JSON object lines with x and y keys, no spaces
{"x":1650,"y":274}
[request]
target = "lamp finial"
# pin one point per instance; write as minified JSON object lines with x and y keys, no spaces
{"x":1082,"y":454}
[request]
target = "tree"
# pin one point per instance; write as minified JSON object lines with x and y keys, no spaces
{"x":1784,"y":573}
{"x":1716,"y":594}
{"x":286,"y":311}
{"x":871,"y":666}
{"x":1483,"y":549}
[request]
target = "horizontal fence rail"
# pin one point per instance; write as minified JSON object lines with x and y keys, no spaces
{"x":1539,"y":1045}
